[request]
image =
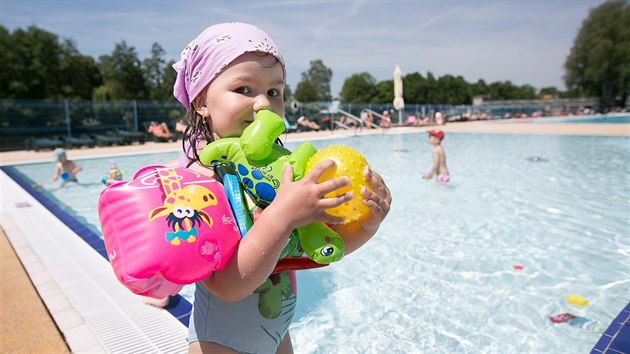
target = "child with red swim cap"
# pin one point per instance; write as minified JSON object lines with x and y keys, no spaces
{"x":439,"y":158}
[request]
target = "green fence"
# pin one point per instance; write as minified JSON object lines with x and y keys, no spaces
{"x":23,"y":120}
{"x":28,"y":120}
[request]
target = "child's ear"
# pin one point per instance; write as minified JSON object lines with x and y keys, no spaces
{"x":201,"y":110}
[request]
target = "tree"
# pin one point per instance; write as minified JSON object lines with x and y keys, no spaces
{"x":153,"y":70}
{"x":79,"y":73}
{"x":479,"y":88}
{"x":548,"y":91}
{"x":452,"y":90}
{"x":165,"y":89}
{"x":414,"y":88}
{"x":358,"y":88}
{"x":431,"y":89}
{"x":384,"y":92}
{"x":315,"y":83}
{"x":504,"y":90}
{"x":306,"y":92}
{"x":123,"y":77}
{"x":598,"y":63}
{"x":36,"y":64}
{"x":6,"y":60}
{"x":36,"y":74}
{"x":287,"y":94}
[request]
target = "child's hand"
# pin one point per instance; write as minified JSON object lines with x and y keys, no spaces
{"x":378,"y":200}
{"x":303,"y":202}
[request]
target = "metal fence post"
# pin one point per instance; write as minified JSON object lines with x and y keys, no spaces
{"x":68,"y":125}
{"x":135,"y":115}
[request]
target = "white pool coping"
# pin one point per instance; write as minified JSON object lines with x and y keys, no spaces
{"x":95,"y":313}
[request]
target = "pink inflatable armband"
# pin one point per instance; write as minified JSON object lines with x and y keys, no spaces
{"x":165,"y":228}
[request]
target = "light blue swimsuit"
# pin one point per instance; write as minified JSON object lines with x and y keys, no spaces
{"x":256,"y":324}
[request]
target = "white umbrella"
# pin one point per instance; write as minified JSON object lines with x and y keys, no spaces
{"x":399,"y":103}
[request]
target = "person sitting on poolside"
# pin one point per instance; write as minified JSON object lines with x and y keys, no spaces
{"x":386,"y":121}
{"x":159,"y":130}
{"x":439,"y":118}
{"x":303,"y":121}
{"x":422,"y":122}
{"x":367,"y":118}
{"x":348,"y":122}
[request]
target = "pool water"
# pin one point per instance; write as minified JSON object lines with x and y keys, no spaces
{"x":477,"y":265}
{"x":587,"y":119}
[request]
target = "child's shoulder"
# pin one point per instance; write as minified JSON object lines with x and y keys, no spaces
{"x":202,"y":169}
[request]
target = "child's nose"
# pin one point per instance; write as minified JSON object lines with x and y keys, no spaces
{"x":261,"y":102}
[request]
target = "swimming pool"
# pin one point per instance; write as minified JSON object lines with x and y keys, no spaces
{"x":588,"y":119}
{"x":440,"y":275}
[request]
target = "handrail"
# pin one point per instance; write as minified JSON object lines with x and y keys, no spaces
{"x":360,"y":121}
{"x":378,"y":115}
{"x":374,"y":113}
{"x":338,"y":123}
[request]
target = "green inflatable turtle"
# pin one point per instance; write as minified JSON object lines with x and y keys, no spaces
{"x":258,"y":162}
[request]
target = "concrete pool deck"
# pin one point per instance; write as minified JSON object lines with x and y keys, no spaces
{"x":27,"y":322}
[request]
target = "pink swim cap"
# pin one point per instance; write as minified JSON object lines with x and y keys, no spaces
{"x":214,"y":49}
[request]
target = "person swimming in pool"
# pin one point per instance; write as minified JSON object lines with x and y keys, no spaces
{"x":64,"y":168}
{"x":439,"y":157}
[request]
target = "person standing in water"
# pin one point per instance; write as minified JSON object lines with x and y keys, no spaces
{"x":439,"y":157}
{"x":64,"y":168}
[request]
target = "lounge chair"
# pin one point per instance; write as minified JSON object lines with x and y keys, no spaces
{"x":43,"y":143}
{"x":129,"y":137}
{"x":108,"y":139}
{"x":289,"y":128}
{"x":80,"y":141}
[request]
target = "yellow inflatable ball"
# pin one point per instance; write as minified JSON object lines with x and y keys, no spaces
{"x":349,"y":162}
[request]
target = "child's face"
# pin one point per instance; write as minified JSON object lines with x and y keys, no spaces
{"x":250,"y":83}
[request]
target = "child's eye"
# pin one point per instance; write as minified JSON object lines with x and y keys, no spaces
{"x":273,"y":93}
{"x":243,"y":90}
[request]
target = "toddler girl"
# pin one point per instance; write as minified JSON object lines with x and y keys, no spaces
{"x":225,"y":75}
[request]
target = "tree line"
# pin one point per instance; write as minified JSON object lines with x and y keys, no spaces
{"x":39,"y":65}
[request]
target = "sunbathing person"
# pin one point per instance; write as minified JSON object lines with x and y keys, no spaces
{"x":422,"y":122}
{"x":159,"y":130}
{"x":303,"y":121}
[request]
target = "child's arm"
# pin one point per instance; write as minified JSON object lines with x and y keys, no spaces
{"x":296,"y":204}
{"x":76,"y":169}
{"x":356,"y":234}
{"x":57,"y":173}
{"x":436,"y":163}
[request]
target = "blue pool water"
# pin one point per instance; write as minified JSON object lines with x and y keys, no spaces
{"x":587,"y":119}
{"x":439,"y":276}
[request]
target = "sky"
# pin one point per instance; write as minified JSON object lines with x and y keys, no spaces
{"x":525,"y":42}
